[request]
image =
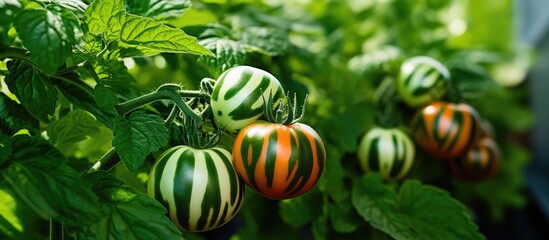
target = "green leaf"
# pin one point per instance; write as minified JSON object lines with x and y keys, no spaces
{"x":16,"y":117}
{"x":82,"y":96}
{"x":131,"y":214}
{"x":374,"y":61}
{"x":72,"y":128}
{"x":8,"y":9}
{"x":301,"y":210}
{"x":33,"y":89}
{"x":105,"y":17}
{"x":39,"y":175}
{"x":105,"y":97}
{"x":5,"y":148}
{"x":157,"y":9}
{"x":319,"y":227}
{"x":332,"y":180}
{"x":114,"y":75}
{"x":137,"y":136}
{"x":268,"y":41}
{"x":10,"y":224}
{"x":416,"y":212}
{"x":73,"y":5}
{"x":228,"y":53}
{"x":48,"y":34}
{"x":344,"y":217}
{"x":145,"y":32}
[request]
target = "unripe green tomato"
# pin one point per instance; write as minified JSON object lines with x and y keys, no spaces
{"x":199,"y":187}
{"x":421,"y":80}
{"x":238,"y":97}
{"x":388,"y":151}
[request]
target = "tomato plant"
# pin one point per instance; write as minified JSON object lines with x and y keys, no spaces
{"x":388,"y":151}
{"x":279,"y":159}
{"x":95,"y":96}
{"x":446,"y":130}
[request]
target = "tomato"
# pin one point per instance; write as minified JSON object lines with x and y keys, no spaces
{"x":388,"y":151}
{"x":446,"y":130}
{"x":422,"y":80}
{"x":279,"y":161}
{"x":478,"y":164}
{"x":199,"y":187}
{"x":237,"y":97}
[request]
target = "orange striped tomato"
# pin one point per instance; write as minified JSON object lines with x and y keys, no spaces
{"x":446,"y":130}
{"x":279,"y":161}
{"x":479,"y":164}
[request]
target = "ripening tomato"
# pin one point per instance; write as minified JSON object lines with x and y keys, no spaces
{"x":478,"y":164}
{"x":279,"y":161}
{"x":446,"y":130}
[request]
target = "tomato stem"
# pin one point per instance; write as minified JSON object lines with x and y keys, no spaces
{"x":14,"y":53}
{"x":56,"y":230}
{"x":175,"y":96}
{"x":106,"y":162}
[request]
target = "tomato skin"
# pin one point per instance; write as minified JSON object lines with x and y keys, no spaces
{"x":277,"y":160}
{"x":237,"y":97}
{"x":421,"y":80}
{"x":388,"y":151}
{"x":196,"y":184}
{"x":478,"y":164}
{"x":446,"y":130}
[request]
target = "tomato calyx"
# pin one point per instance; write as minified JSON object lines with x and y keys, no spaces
{"x":286,"y":115}
{"x":196,"y":137}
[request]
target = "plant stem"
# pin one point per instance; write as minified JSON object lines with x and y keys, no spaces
{"x":173,"y":114}
{"x":56,"y":230}
{"x":106,"y":162}
{"x":176,"y":97}
{"x":90,"y":69}
{"x":13,"y":52}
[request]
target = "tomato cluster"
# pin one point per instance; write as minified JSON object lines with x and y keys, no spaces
{"x":452,"y":132}
{"x":203,"y":186}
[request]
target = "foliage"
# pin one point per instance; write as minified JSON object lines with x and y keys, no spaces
{"x":80,"y":90}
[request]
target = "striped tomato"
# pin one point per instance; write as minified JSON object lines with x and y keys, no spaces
{"x":199,"y":187}
{"x":279,"y":161}
{"x":237,"y":97}
{"x":422,"y":80}
{"x":479,"y":163}
{"x":388,"y":151}
{"x":446,"y":130}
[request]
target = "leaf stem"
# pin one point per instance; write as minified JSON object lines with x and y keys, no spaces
{"x":13,"y":52}
{"x":92,"y":72}
{"x":106,"y":162}
{"x":56,"y":230}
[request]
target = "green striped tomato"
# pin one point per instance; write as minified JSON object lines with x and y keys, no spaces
{"x":279,"y":161}
{"x":446,"y":130}
{"x":388,"y":151}
{"x":199,"y":187}
{"x":478,"y":164}
{"x":237,"y":97}
{"x":422,"y":80}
